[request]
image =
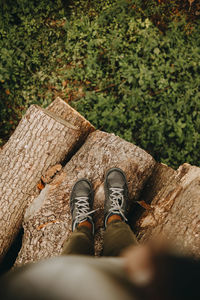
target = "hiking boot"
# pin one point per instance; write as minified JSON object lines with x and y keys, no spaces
{"x":116,"y":194}
{"x":81,"y":201}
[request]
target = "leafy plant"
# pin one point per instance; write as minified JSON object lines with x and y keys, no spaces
{"x":28,"y":44}
{"x":149,"y":81}
{"x":117,"y":68}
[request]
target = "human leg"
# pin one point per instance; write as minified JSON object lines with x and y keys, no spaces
{"x":81,"y":240}
{"x":118,"y":235}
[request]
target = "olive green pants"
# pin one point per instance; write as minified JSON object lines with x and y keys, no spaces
{"x":117,"y":237}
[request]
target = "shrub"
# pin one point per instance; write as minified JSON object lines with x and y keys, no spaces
{"x":144,"y":85}
{"x":123,"y":74}
{"x":28,"y":45}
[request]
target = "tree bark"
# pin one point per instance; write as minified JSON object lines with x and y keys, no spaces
{"x":47,"y":221}
{"x":174,"y":212}
{"x":42,"y":139}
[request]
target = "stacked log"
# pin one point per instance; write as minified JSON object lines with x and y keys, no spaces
{"x":42,"y":139}
{"x":47,"y":222}
{"x":56,"y":147}
{"x":174,"y":210}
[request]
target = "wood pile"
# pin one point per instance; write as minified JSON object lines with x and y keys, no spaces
{"x":52,"y":148}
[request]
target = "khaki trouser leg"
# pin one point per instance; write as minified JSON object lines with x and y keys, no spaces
{"x":81,"y":242}
{"x":117,"y":237}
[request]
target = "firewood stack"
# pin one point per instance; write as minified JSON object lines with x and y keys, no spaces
{"x":52,"y":148}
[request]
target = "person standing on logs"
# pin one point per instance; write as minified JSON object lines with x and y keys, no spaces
{"x":127,"y":270}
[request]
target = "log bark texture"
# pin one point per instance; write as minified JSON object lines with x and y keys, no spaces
{"x":41,"y":140}
{"x":47,"y":221}
{"x":174,"y":212}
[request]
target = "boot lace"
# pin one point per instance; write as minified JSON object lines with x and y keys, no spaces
{"x":83,"y":212}
{"x":117,"y":201}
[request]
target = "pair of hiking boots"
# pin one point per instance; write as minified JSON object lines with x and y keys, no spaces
{"x":116,"y":198}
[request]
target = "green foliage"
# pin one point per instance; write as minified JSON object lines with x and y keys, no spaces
{"x":28,"y":44}
{"x":91,"y":8}
{"x":135,"y":81}
{"x":149,"y":81}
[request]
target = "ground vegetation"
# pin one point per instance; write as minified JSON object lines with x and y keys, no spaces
{"x":130,"y":67}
